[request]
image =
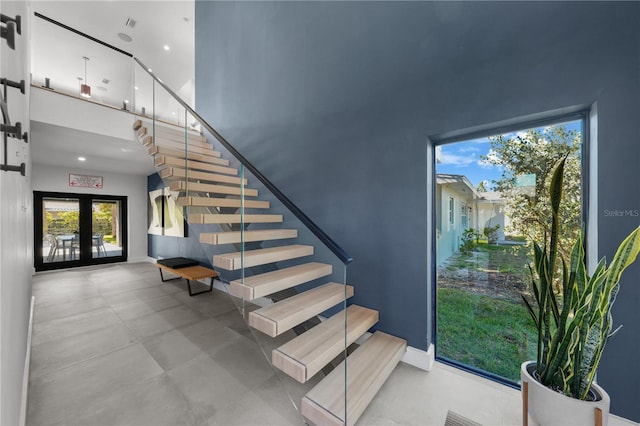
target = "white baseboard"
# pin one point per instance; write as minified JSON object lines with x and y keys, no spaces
{"x":141,"y":259}
{"x":420,"y":359}
{"x":27,"y":363}
{"x":416,"y":357}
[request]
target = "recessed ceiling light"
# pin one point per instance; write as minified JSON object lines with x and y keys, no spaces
{"x":136,"y":87}
{"x":82,"y":159}
{"x":166,"y":47}
{"x":125,"y":37}
{"x":173,"y":113}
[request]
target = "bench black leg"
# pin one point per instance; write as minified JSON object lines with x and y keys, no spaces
{"x":170,"y":279}
{"x":200,"y":292}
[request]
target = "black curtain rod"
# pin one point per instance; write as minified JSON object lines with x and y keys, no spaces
{"x":80,"y":33}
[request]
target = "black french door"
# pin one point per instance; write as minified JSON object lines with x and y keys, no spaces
{"x":78,"y":230}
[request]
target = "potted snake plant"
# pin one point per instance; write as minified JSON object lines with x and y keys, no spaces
{"x":573,"y":325}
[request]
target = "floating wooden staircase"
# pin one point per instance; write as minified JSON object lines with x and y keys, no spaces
{"x":210,"y":183}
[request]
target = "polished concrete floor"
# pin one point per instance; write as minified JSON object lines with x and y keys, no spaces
{"x":113,"y":345}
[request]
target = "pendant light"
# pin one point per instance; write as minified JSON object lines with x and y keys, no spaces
{"x":85,"y":89}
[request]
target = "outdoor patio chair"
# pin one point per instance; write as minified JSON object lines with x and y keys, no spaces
{"x":53,"y":246}
{"x":98,"y":243}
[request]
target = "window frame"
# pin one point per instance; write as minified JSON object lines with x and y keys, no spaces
{"x":587,"y":114}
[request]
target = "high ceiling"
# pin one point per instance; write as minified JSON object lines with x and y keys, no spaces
{"x":161,"y":35}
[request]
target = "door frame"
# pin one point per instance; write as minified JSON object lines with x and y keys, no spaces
{"x":85,"y":227}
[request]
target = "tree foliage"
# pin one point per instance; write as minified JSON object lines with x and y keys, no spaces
{"x":537,"y":152}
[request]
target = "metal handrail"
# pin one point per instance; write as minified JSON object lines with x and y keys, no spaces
{"x":322,"y":236}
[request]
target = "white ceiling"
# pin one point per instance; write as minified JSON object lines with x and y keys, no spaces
{"x":61,"y":146}
{"x":57,"y":54}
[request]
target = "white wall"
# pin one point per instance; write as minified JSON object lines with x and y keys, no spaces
{"x":134,"y":187}
{"x":16,"y":230}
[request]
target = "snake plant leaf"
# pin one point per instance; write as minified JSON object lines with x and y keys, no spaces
{"x":574,"y":324}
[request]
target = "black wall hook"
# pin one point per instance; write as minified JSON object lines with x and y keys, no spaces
{"x":18,"y":85}
{"x":12,"y":26}
{"x":17,"y":22}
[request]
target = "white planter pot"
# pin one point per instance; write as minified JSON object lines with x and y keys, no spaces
{"x":549,"y":408}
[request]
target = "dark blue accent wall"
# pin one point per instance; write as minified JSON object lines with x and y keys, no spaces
{"x":335,"y":102}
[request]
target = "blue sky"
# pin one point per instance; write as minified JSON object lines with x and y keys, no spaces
{"x":464,"y":158}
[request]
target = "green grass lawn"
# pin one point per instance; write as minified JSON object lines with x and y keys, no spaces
{"x":492,"y":334}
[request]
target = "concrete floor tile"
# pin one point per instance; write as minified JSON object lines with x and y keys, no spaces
{"x":112,"y":274}
{"x":156,"y":401}
{"x":211,"y":304}
{"x":174,"y":288}
{"x":117,"y":286}
{"x":251,"y":410}
{"x":138,"y":294}
{"x":59,"y":353}
{"x":172,"y":349}
{"x":233,"y":320}
{"x":210,"y":336}
{"x":137,"y":308}
{"x":74,"y":392}
{"x":74,"y":307}
{"x":160,"y":322}
{"x":65,"y":293}
{"x":73,"y":325}
{"x":207,"y":385}
{"x":245,"y":361}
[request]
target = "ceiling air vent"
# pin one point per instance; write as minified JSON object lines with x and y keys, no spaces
{"x":131,"y":23}
{"x":106,"y":81}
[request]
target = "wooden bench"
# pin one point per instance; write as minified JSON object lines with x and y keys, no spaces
{"x":189,"y":273}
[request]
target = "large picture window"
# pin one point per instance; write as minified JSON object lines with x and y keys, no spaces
{"x":499,"y":183}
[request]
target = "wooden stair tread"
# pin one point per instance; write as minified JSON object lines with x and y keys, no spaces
{"x":169,"y":173}
{"x":302,"y":357}
{"x":172,"y":134}
{"x":210,"y":188}
{"x":149,"y":141}
{"x":261,"y":285}
{"x":249,"y":236}
{"x":221,"y":202}
{"x":233,"y":261}
{"x":368,"y":368}
{"x":213,"y":156}
{"x":234,"y":218}
{"x":164,"y":160}
{"x":275,"y":319}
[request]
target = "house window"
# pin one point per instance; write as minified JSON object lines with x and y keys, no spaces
{"x":501,"y":180}
{"x":451,"y":207}
{"x":464,"y":219}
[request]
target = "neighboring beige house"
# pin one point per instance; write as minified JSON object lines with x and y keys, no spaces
{"x":458,"y":207}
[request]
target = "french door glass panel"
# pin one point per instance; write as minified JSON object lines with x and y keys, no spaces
{"x":491,"y":204}
{"x":60,"y":229}
{"x":106,"y":236}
